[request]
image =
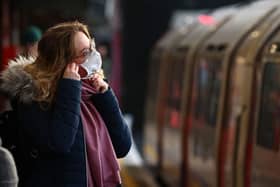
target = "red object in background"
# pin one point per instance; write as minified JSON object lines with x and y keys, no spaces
{"x":206,"y":20}
{"x":174,"y":119}
{"x":8,"y":53}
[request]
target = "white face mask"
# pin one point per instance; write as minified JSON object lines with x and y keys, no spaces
{"x":92,"y":64}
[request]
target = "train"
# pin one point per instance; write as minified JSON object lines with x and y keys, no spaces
{"x":212,"y":113}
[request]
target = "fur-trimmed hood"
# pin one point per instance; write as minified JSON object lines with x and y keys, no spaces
{"x":15,"y":82}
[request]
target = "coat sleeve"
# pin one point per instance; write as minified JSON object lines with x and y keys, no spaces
{"x":54,"y":129}
{"x":108,"y":107}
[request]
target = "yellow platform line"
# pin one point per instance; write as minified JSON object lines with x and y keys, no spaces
{"x":150,"y":151}
{"x":127,"y":179}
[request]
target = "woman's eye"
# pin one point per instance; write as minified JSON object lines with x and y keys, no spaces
{"x":86,"y":53}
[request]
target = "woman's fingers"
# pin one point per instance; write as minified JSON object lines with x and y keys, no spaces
{"x":76,"y":68}
{"x":98,"y":83}
{"x":71,"y":71}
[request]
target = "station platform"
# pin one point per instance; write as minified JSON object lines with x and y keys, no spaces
{"x":135,"y":176}
{"x":133,"y":171}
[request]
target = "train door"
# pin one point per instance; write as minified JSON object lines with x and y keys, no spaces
{"x":172,"y":136}
{"x":156,"y":71}
{"x":174,"y":161}
{"x":266,"y":156}
{"x":208,"y":94}
{"x":171,"y":149}
{"x":168,"y":69}
{"x":193,"y":43}
{"x":150,"y":138}
{"x":236,"y":132}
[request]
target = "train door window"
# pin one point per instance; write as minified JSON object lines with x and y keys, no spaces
{"x":235,"y":105}
{"x":268,"y":131}
{"x":207,"y":88}
{"x":162,"y":91}
{"x":175,"y":91}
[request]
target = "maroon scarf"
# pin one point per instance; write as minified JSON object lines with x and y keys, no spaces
{"x":102,"y":165}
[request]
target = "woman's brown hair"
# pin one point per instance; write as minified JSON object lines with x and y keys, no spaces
{"x":55,"y":50}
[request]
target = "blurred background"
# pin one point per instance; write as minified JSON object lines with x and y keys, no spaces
{"x":125,"y":33}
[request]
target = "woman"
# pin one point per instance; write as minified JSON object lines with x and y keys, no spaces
{"x":74,"y":124}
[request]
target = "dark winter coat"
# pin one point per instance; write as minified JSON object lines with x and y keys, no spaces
{"x":57,"y":133}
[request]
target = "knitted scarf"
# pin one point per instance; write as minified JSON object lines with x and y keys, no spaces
{"x":102,"y":165}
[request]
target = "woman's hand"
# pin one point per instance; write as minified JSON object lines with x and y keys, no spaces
{"x":72,"y":71}
{"x":98,"y":83}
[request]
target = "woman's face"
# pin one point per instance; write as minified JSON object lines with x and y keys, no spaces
{"x":82,"y":47}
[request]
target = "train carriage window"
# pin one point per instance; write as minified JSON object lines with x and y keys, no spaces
{"x":175,"y":91}
{"x":207,"y":90}
{"x":268,"y":131}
